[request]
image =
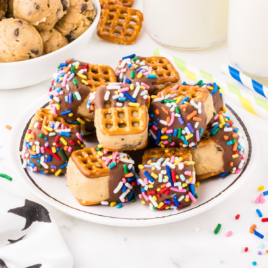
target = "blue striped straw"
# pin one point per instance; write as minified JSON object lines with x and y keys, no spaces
{"x":245,"y":80}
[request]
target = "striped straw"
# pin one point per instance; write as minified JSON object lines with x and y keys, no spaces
{"x":245,"y":80}
{"x":242,"y":98}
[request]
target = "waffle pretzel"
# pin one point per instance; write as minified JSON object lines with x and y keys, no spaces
{"x":182,"y":111}
{"x":125,"y":3}
{"x":42,"y":113}
{"x":89,"y":163}
{"x":95,"y":176}
{"x":99,"y":75}
{"x":198,"y":93}
{"x":164,"y":69}
{"x":158,"y":72}
{"x":167,"y":178}
{"x":107,"y":3}
{"x":128,"y":137}
{"x":193,"y":92}
{"x":120,"y":25}
{"x":157,"y":153}
{"x":45,"y":114}
{"x":122,"y":121}
{"x":84,"y":79}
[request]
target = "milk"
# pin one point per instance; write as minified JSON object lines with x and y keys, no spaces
{"x":248,"y":36}
{"x":186,"y":24}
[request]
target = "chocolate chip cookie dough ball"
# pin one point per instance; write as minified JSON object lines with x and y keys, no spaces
{"x":3,"y":8}
{"x":43,"y":14}
{"x":81,"y":6}
{"x":52,"y":41}
{"x":78,"y":19}
{"x":19,"y":41}
{"x":73,"y":25}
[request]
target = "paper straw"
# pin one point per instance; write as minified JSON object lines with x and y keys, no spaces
{"x":242,"y":98}
{"x":245,"y":80}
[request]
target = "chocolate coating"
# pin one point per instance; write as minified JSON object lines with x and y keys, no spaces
{"x":216,"y":97}
{"x":217,"y":101}
{"x":100,"y":101}
{"x":155,"y":120}
{"x":51,"y":143}
{"x":83,"y":90}
{"x":221,"y":138}
{"x":150,"y":82}
{"x":115,"y":176}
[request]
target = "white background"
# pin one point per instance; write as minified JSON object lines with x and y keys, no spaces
{"x":171,"y":245}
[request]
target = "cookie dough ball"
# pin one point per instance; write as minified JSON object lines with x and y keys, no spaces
{"x":78,"y":19}
{"x":19,"y":41}
{"x":73,"y":25}
{"x":83,"y":6}
{"x":52,"y":40}
{"x":43,"y":14}
{"x":3,"y":8}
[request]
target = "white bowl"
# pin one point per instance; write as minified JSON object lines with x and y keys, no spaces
{"x":30,"y":72}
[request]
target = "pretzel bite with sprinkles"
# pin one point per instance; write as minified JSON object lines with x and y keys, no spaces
{"x":179,"y":115}
{"x":121,"y":116}
{"x":221,"y":150}
{"x":167,"y":178}
{"x":216,"y":94}
{"x":73,"y":87}
{"x":96,"y":176}
{"x":49,"y":142}
{"x":154,"y":73}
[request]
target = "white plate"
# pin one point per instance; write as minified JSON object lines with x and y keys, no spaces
{"x":54,"y":191}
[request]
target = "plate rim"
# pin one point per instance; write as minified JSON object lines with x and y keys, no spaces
{"x":128,"y":222}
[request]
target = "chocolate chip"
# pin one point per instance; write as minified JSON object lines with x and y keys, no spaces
{"x":35,"y":52}
{"x":219,"y":149}
{"x":17,"y":32}
{"x":36,"y":6}
{"x":64,"y":4}
{"x":84,"y":7}
{"x":70,"y":36}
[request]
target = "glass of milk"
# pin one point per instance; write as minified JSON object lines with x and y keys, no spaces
{"x":186,"y":24}
{"x":248,"y":36}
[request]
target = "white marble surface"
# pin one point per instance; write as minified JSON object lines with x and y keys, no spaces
{"x":171,"y":245}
